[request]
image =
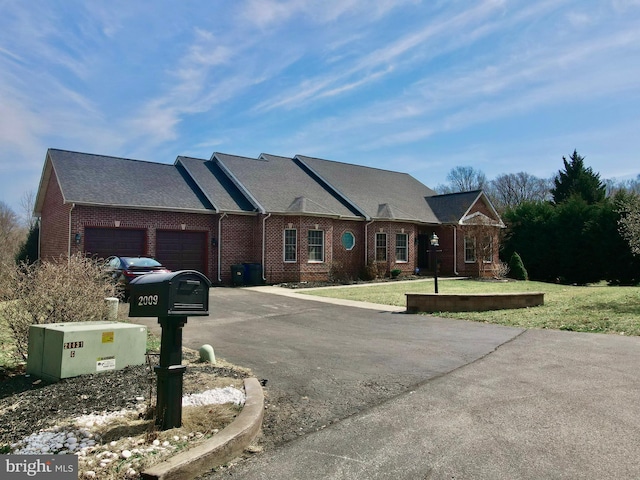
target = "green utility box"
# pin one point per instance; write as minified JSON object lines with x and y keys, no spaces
{"x":62,"y":350}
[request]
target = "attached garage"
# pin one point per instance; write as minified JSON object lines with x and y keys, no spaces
{"x":105,"y":242}
{"x":180,"y":250}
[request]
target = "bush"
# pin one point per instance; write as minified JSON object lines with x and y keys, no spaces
{"x":69,"y":290}
{"x":516,"y":268}
{"x":369,"y":272}
{"x":339,"y":273}
{"x":7,"y":273}
{"x":500,"y":270}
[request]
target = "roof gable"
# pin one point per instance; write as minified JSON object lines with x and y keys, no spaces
{"x":455,"y":208}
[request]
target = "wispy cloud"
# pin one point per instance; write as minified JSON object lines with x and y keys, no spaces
{"x":382,"y":59}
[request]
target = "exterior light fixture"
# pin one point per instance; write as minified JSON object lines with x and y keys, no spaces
{"x":78,"y":238}
{"x":434,"y":240}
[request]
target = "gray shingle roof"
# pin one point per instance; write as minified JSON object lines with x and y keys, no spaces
{"x":379,"y":194}
{"x":215,"y":185}
{"x":100,"y":180}
{"x":279,"y":185}
{"x":451,"y":207}
{"x":270,"y":184}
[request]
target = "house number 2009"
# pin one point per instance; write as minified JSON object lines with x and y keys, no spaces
{"x":147,"y":300}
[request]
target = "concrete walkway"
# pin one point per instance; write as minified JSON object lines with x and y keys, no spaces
{"x":292,"y":293}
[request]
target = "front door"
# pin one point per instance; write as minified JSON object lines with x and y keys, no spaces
{"x":423,"y":252}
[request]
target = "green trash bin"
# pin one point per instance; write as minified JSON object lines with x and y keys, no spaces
{"x":237,"y":275}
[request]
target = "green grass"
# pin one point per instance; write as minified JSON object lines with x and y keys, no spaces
{"x":597,"y":308}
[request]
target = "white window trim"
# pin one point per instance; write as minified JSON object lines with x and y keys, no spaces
{"x":475,"y":254}
{"x":309,"y":245}
{"x":386,"y":247}
{"x":354,"y":240}
{"x":406,"y":247}
{"x":284,"y":246}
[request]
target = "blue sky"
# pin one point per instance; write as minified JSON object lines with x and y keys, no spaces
{"x":415,"y":86}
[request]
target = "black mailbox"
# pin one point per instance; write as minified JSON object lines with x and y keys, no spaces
{"x":184,"y":293}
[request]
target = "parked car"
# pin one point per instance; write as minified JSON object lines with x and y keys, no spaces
{"x":124,"y":269}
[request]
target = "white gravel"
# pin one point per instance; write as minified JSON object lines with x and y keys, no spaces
{"x":78,"y":439}
{"x":216,"y":396}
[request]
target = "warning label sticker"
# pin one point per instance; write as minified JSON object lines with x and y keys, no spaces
{"x":107,"y":337}
{"x":106,"y":363}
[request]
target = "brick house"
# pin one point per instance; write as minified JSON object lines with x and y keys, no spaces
{"x":290,"y":219}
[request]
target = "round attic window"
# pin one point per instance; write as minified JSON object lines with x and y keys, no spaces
{"x":348,"y":240}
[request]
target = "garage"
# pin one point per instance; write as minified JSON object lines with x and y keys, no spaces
{"x":180,"y":250}
{"x":105,"y":242}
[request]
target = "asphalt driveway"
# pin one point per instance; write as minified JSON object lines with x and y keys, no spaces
{"x":359,"y":393}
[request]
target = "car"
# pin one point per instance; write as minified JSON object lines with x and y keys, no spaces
{"x":124,"y":269}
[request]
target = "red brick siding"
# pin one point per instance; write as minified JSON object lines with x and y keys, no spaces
{"x":151,"y":221}
{"x":54,"y":226}
{"x":239,"y":243}
{"x":471,"y":269}
{"x":349,"y":263}
{"x":391,"y":229}
{"x":241,"y":239}
{"x":483,"y":208}
{"x":336,"y":257}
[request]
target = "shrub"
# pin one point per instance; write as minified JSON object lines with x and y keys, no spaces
{"x":369,"y":272}
{"x":7,"y":273}
{"x":516,"y":267}
{"x":500,"y":270}
{"x":339,"y":273}
{"x":395,"y":272}
{"x":68,"y":290}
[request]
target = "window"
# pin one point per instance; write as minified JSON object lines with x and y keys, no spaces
{"x":348,"y":240}
{"x":402,"y":254}
{"x":290,"y":245}
{"x":469,"y":249}
{"x":316,"y":245}
{"x":381,"y":247}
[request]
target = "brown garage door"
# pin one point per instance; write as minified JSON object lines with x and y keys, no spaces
{"x":105,"y":242}
{"x":182,"y":250}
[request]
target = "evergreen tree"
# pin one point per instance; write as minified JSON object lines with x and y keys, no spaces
{"x":516,"y":268}
{"x":531,"y":231}
{"x":577,"y":180}
{"x":28,"y":252}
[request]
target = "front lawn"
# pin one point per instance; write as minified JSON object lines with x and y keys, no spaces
{"x":597,"y":308}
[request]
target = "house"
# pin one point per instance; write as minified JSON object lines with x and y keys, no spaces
{"x":289,"y":219}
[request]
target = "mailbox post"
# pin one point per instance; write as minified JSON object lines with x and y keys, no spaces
{"x":171,"y":297}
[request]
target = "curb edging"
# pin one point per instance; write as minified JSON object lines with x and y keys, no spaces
{"x":221,"y":448}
